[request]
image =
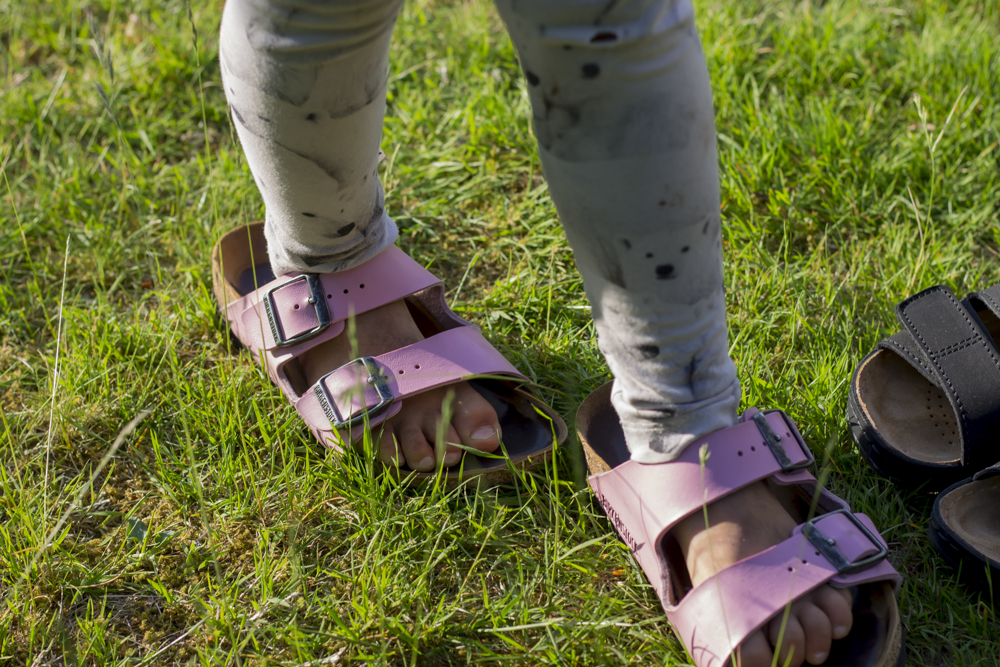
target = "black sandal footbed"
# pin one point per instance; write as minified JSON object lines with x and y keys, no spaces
{"x":922,"y":406}
{"x":965,"y":528}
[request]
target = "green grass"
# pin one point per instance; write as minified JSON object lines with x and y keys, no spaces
{"x":860,"y":162}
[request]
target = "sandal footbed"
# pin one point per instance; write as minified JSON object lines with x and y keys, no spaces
{"x":904,"y":425}
{"x":965,"y":530}
{"x":239,"y":266}
{"x":877,"y":636}
{"x":884,"y":452}
{"x":913,"y":416}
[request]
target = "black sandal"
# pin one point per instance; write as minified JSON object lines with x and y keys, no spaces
{"x":924,"y":405}
{"x":965,"y":528}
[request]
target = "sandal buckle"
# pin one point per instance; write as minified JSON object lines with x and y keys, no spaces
{"x":828,"y":546}
{"x":375,"y":378}
{"x":316,"y":299}
{"x":773,"y":442}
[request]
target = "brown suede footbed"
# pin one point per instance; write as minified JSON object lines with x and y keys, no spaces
{"x":912,"y":415}
{"x":972,"y":511}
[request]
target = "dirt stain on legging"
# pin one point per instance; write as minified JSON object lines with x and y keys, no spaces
{"x":603,"y":127}
{"x":554,"y":121}
{"x":607,"y":259}
{"x":690,"y":371}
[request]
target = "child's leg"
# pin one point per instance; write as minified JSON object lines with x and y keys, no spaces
{"x":622,"y":109}
{"x":623,"y":115}
{"x":307,"y":92}
{"x":306,"y":85}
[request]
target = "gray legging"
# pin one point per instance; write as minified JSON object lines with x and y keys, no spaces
{"x":622,"y":108}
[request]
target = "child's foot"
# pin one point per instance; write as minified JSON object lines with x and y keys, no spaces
{"x":410,"y":435}
{"x":745,"y":523}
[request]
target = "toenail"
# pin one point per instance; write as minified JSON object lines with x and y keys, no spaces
{"x":483,"y":433}
{"x":840,"y":632}
{"x":451,"y":458}
{"x":426,"y":463}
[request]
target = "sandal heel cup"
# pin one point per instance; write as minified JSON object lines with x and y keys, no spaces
{"x":965,"y":531}
{"x":877,"y":639}
{"x":245,"y":287}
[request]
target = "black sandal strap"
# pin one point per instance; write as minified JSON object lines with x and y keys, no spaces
{"x":903,"y":344}
{"x":965,"y":361}
{"x":988,"y":298}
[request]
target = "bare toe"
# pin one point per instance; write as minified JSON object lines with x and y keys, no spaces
{"x":754,"y":651}
{"x":388,"y":448}
{"x":475,"y":420}
{"x":792,"y":649}
{"x":818,"y":632}
{"x":432,"y":422}
{"x":417,"y":451}
{"x":836,"y":604}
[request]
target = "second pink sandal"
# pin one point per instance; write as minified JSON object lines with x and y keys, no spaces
{"x":837,"y":547}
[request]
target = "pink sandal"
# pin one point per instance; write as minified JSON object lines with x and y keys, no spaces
{"x":836,"y":547}
{"x":280,"y":318}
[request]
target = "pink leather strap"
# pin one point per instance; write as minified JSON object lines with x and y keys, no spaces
{"x":666,"y":493}
{"x":448,"y":357}
{"x":717,"y":616}
{"x":389,"y":276}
